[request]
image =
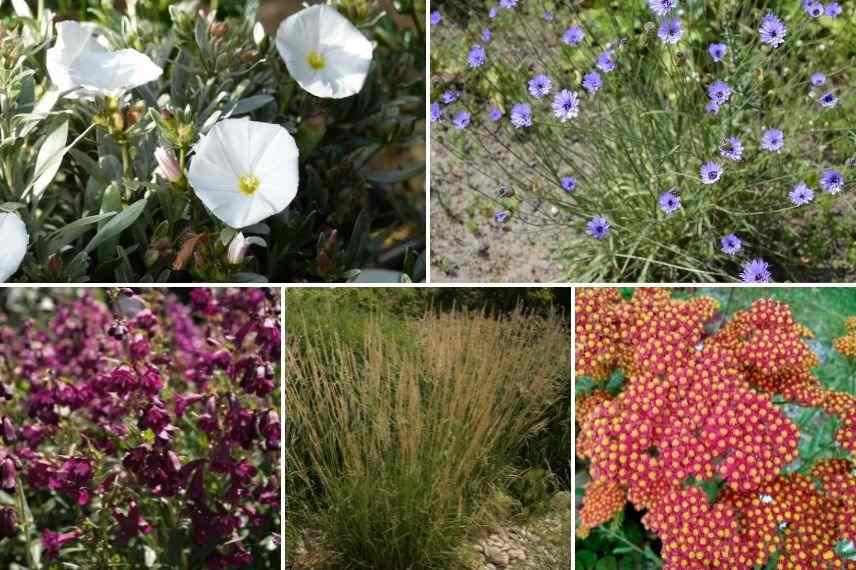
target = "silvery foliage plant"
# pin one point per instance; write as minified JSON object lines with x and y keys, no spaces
{"x":200,"y":148}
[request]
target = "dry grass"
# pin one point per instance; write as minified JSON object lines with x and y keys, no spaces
{"x":391,"y":447}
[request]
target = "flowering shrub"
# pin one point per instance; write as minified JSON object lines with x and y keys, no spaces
{"x":142,"y":432}
{"x":697,"y":436}
{"x":678,"y":141}
{"x":148,"y":146}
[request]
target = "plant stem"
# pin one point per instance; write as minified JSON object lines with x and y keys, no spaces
{"x":24,"y":512}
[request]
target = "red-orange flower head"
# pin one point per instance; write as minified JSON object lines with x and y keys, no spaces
{"x":766,"y":340}
{"x":603,"y":500}
{"x":695,"y":534}
{"x":595,"y":329}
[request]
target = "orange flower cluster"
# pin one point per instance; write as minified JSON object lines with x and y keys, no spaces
{"x":696,"y":405}
{"x":846,"y":345}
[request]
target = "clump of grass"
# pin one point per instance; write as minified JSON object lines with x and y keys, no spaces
{"x":391,"y":446}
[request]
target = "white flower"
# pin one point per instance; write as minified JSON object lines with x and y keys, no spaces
{"x":245,"y":171}
{"x":81,"y":60}
{"x":324,"y":52}
{"x":14,"y":237}
{"x":168,"y":167}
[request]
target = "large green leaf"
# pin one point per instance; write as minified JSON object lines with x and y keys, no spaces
{"x":49,"y":158}
{"x":117,"y":225}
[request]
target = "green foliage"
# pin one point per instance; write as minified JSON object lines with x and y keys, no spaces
{"x":406,"y":427}
{"x":647,"y":131}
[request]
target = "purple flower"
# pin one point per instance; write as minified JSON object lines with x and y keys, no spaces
{"x":756,"y":271}
{"x":592,"y":82}
{"x":730,"y":244}
{"x":502,"y":216}
{"x":540,"y":86}
{"x":494,"y":114}
{"x":671,"y":31}
{"x":449,"y":96}
{"x":772,"y":140}
{"x":487,"y":35}
{"x":573,"y":36}
{"x":710,"y":172}
{"x":669,"y":202}
{"x":477,"y":57}
{"x":492,"y":12}
{"x":566,"y":105}
{"x":712,"y":108}
{"x":662,"y":7}
{"x":521,"y":115}
{"x":461,"y":121}
{"x":828,"y":100}
{"x":436,"y":18}
{"x":605,"y":62}
{"x":597,"y":227}
{"x":436,"y":112}
{"x":833,"y":10}
{"x":772,"y":30}
{"x":817,"y":79}
{"x":813,"y":8}
{"x":548,"y":16}
{"x":52,"y":541}
{"x":832,"y":181}
{"x":719,"y":92}
{"x":801,"y":194}
{"x":569,"y":183}
{"x":508,"y":4}
{"x":732,"y":149}
{"x":717,"y":51}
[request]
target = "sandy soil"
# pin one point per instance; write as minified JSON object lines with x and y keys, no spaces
{"x":471,"y":247}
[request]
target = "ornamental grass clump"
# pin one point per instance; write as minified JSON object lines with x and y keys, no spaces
{"x":141,"y":431}
{"x":394,"y":446}
{"x":142,"y":144}
{"x":682,"y":123}
{"x":697,"y":437}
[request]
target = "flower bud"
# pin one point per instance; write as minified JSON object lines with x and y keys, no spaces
{"x":168,"y":167}
{"x":237,"y":249}
{"x":8,"y":523}
{"x":7,"y":431}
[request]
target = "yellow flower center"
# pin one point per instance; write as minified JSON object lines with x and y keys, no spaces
{"x":316,"y":60}
{"x":249,"y":183}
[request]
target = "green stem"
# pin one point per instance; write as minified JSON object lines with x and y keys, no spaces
{"x":126,"y":160}
{"x":24,"y":513}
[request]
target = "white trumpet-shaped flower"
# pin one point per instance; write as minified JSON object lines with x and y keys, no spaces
{"x":14,"y":237}
{"x":326,"y":54}
{"x":245,"y":171}
{"x":81,"y":60}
